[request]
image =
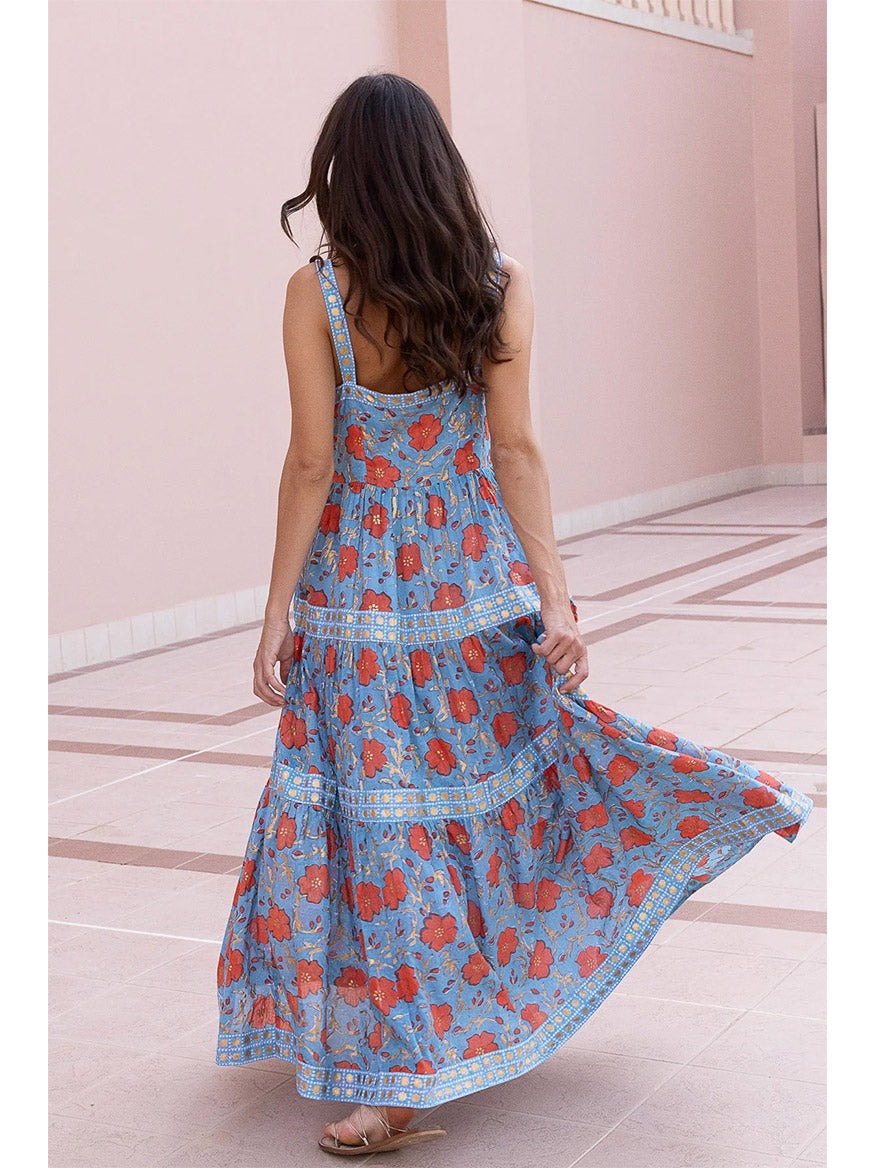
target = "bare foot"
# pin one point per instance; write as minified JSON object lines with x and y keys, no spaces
{"x":364,"y":1120}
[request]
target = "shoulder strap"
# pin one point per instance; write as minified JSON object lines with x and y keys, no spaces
{"x":337,"y":319}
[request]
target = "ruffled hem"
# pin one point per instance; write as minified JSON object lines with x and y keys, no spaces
{"x":717,"y":849}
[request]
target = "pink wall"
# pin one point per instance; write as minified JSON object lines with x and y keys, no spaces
{"x":650,"y":184}
{"x":177,"y":130}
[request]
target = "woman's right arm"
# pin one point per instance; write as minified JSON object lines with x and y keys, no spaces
{"x":307,"y":471}
{"x":522,"y":476}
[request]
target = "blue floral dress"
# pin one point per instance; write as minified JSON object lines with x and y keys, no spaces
{"x":452,"y":863}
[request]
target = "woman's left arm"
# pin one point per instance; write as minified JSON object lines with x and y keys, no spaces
{"x":307,"y":471}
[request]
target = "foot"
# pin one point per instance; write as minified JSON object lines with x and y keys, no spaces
{"x":363,"y":1119}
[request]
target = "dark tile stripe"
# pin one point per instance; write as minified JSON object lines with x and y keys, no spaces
{"x":710,"y":595}
{"x":232,"y":718}
{"x":752,"y":915}
{"x":688,"y":569}
{"x":763,"y":603}
{"x":155,"y":652}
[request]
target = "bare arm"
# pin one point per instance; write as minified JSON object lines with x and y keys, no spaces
{"x":307,"y":471}
{"x":522,"y":476}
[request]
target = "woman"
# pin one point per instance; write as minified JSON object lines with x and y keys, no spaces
{"x":458,"y":854}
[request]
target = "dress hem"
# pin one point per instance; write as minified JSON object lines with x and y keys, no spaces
{"x":723,"y":844}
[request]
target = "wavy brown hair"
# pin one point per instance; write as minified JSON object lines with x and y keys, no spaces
{"x":399,"y":208}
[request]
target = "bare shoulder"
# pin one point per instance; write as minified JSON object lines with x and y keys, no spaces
{"x":303,"y":292}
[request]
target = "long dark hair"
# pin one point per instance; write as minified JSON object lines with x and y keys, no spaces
{"x":398,"y":207}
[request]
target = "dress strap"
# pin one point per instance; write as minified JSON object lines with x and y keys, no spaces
{"x":337,"y":319}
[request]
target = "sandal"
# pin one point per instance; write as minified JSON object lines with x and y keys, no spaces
{"x":396,"y":1137}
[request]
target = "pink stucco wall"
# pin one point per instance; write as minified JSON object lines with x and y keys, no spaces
{"x":646,"y":181}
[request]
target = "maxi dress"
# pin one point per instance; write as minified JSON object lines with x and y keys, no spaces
{"x":452,"y":863}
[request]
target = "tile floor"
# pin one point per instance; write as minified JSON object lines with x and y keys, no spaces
{"x":708,"y":619}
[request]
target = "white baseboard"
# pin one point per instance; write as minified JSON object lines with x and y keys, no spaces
{"x":155,"y":630}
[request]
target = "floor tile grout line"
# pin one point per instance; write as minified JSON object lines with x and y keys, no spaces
{"x":159,"y":766}
{"x":136,"y":932}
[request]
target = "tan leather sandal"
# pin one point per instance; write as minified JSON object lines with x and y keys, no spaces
{"x":396,"y":1137}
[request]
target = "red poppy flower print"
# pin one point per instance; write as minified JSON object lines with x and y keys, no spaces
{"x":511,"y":815}
{"x":693,"y":795}
{"x":531,"y":1014}
{"x":309,"y":978}
{"x":523,"y":893}
{"x":375,"y":1037}
{"x":442,"y":1016}
{"x":636,"y":807}
{"x":278,"y":924}
{"x":314,"y":884}
{"x":504,"y":727}
{"x":317,"y":598}
{"x":551,"y":778}
{"x":375,"y":601}
{"x":447,"y":596}
{"x":638,"y":885}
{"x":475,"y":919}
{"x":286,"y":831}
{"x":436,"y":513}
{"x":463,"y":704}
{"x":758,"y":797}
{"x":367,"y":666}
{"x":420,"y":841}
{"x":421,"y":666}
{"x":590,"y":959}
{"x":348,"y":561}
{"x":400,"y":710}
{"x":473,"y":653}
{"x":603,"y":713}
{"x":476,"y":968}
{"x":658,"y":737}
{"x":768,"y":780}
{"x":423,"y":435}
{"x":383,"y":993}
{"x":598,"y":857}
{"x":368,"y":900}
{"x":599,"y":902}
{"x":329,"y":661}
{"x":506,"y":944}
{"x":234,"y":970}
{"x":481,"y":1043}
{"x":345,"y":709}
{"x":474,"y":541}
{"x":407,"y":561}
{"x":352,"y":985}
{"x":258,"y":930}
{"x":486,"y":490}
{"x":293,"y":730}
{"x":355,"y":441}
{"x":546,"y":896}
{"x":394,"y":888}
{"x":540,"y":960}
{"x":536,"y":837}
{"x":440,"y":757}
{"x":465,"y":459}
{"x":438,"y":931}
{"x":424,"y":1067}
{"x":519,"y":573}
{"x":634,"y":837}
{"x":380,"y":472}
{"x":692,"y":825}
{"x":513,"y":668}
{"x":376,"y":520}
{"x":406,"y":984}
{"x":297,"y":646}
{"x":493,"y":870}
{"x":247,"y":877}
{"x":581,"y":763}
{"x":373,"y":756}
{"x":457,"y":834}
{"x":685,"y":765}
{"x":263,"y":1012}
{"x":621,"y":769}
{"x":330,"y":519}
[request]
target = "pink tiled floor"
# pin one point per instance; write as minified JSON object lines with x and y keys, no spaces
{"x":710,"y":1054}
